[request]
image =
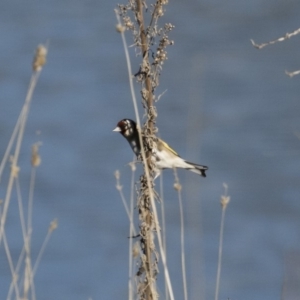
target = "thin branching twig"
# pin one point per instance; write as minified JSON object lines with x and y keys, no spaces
{"x":293,"y":73}
{"x":281,"y":39}
{"x":53,"y":226}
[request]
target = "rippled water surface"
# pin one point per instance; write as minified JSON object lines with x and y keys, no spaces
{"x":226,"y":105}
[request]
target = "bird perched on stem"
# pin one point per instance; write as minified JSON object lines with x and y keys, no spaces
{"x":163,"y":156}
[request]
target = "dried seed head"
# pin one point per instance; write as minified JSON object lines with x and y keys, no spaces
{"x":224,"y":201}
{"x":15,"y":171}
{"x":117,"y":174}
{"x":53,"y":225}
{"x":160,"y":11}
{"x":224,"y":198}
{"x":177,"y":186}
{"x":39,"y":58}
{"x":132,"y":166}
{"x":120,"y":28}
{"x":35,"y":157}
{"x":128,"y":23}
{"x":169,"y":26}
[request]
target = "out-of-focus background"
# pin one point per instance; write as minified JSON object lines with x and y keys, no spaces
{"x":226,"y":105}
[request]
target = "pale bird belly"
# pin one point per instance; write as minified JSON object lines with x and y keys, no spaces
{"x":165,"y":161}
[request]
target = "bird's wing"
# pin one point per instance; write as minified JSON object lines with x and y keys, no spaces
{"x":161,"y":144}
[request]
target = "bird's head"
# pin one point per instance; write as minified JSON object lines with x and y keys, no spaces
{"x":126,"y":127}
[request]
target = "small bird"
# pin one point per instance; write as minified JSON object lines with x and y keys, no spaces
{"x":163,"y":156}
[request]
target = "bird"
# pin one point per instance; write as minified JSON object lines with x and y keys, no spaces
{"x":163,"y":156}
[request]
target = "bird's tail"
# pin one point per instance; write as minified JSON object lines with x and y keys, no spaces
{"x":199,"y":169}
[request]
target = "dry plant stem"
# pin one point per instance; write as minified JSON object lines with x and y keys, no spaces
{"x":10,"y":144}
{"x":281,"y":39}
{"x":147,"y":172}
{"x":17,"y":270}
{"x":52,"y":227}
{"x":220,"y":255}
{"x":131,"y":234}
{"x":292,"y":74}
{"x":178,"y":188}
{"x":11,"y":266}
{"x":224,"y":202}
{"x":23,"y":226}
{"x":144,"y":47}
{"x":28,"y":285}
{"x":150,"y":294}
{"x":27,"y":242}
{"x":163,"y":220}
{"x":32,"y":271}
{"x":30,"y":202}
{"x":119,"y":187}
{"x":163,"y":216}
{"x":132,"y":231}
{"x":14,"y":165}
{"x":21,"y":209}
{"x":149,"y":290}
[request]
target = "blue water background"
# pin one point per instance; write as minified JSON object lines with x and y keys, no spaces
{"x":226,"y":105}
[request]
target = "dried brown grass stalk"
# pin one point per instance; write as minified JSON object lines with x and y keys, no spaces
{"x":151,"y":42}
{"x":38,"y":62}
{"x":22,"y":285}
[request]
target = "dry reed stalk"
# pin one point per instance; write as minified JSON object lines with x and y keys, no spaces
{"x":25,"y":281}
{"x":154,"y":40}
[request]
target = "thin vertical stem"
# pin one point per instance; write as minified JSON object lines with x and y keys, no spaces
{"x":163,"y":221}
{"x":178,"y":188}
{"x":224,"y":202}
{"x":220,"y":254}
{"x":131,"y":234}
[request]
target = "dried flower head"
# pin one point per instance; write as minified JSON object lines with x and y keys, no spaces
{"x":35,"y":157}
{"x":225,"y":199}
{"x":120,"y":28}
{"x":53,"y":225}
{"x":15,"y":171}
{"x":117,"y":174}
{"x":39,"y":58}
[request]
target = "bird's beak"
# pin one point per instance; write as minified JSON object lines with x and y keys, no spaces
{"x":117,"y":129}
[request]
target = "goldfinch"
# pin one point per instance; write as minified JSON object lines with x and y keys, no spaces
{"x":163,"y":156}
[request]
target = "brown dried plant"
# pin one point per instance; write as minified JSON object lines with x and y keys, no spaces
{"x":150,"y":41}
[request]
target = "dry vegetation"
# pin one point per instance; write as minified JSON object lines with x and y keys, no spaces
{"x":23,"y":269}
